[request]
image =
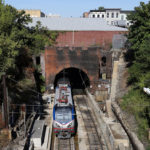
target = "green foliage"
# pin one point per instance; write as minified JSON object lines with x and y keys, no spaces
{"x":40,"y":80}
{"x":42,"y":38}
{"x":139,"y":30}
{"x":139,"y":39}
{"x":19,"y":43}
{"x":133,"y":101}
{"x":42,"y":86}
{"x":148,"y":148}
{"x":140,"y":69}
{"x":101,"y":8}
{"x":17,"y":39}
{"x":136,"y":101}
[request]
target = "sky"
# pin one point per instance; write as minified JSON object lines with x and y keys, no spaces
{"x":73,"y":8}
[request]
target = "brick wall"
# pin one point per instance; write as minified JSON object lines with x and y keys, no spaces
{"x":82,"y":50}
{"x":86,"y":39}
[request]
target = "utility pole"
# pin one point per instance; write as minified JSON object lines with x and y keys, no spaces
{"x":147,"y":91}
{"x":5,"y":100}
{"x":72,"y":37}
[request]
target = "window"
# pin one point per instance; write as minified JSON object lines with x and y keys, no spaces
{"x":122,"y":17}
{"x":116,"y":15}
{"x":102,"y":15}
{"x":38,"y":61}
{"x":63,"y":114}
{"x":103,"y":61}
{"x":98,"y":16}
{"x":93,"y":16}
{"x":104,"y":76}
{"x":107,"y":22}
{"x":107,"y":15}
{"x":112,"y":15}
{"x":112,"y":23}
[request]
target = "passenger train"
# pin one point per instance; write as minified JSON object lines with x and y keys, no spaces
{"x":63,"y":110}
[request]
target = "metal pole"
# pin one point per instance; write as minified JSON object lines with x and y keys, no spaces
{"x":73,"y":37}
{"x":24,"y":124}
{"x":12,"y":119}
{"x":7,"y":106}
{"x":3,"y":114}
{"x":5,"y":101}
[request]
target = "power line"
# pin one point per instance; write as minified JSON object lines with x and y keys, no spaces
{"x":28,"y":88}
{"x":38,"y":113}
{"x":28,"y":105}
{"x":82,"y":79}
{"x":137,"y":105}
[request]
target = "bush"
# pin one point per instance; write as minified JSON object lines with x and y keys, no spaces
{"x":136,"y":103}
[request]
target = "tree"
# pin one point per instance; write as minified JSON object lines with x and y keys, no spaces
{"x":136,"y":101}
{"x":139,"y":38}
{"x":17,"y":39}
{"x":101,"y":8}
{"x":139,"y":30}
{"x":19,"y":42}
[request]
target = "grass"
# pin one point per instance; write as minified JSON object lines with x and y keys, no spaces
{"x":136,"y":103}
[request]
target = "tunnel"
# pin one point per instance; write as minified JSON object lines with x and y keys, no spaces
{"x":78,"y":79}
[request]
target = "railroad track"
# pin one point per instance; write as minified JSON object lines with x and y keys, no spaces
{"x":94,"y":141}
{"x":64,"y":144}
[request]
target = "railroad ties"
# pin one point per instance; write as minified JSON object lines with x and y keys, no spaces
{"x":93,"y":140}
{"x":64,"y":144}
{"x":87,"y":135}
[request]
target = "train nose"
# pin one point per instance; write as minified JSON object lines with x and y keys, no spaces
{"x":64,"y":134}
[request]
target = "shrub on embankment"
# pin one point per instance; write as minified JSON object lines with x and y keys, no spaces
{"x":136,"y":102}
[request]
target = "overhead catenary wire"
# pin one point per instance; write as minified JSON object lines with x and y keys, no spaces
{"x":82,"y":79}
{"x":28,"y":88}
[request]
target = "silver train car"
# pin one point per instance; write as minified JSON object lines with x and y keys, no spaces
{"x":63,"y":110}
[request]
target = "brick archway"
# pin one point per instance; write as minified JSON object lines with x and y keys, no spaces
{"x":78,"y":77}
{"x":88,"y":61}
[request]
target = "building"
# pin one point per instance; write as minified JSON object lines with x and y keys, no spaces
{"x":33,"y":12}
{"x":113,"y":16}
{"x":53,"y":15}
{"x":84,"y":46}
{"x":80,"y":32}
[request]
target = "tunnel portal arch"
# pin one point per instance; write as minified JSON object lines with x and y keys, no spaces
{"x":78,"y":78}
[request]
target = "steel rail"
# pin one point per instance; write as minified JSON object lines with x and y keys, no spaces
{"x":93,"y":137}
{"x":65,"y":144}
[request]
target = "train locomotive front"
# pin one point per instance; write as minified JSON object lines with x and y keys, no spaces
{"x":63,"y":111}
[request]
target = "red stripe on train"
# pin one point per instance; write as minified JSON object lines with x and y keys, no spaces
{"x":63,"y":128}
{"x":58,"y":131}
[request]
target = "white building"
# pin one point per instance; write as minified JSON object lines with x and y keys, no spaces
{"x":53,"y":15}
{"x":113,"y":16}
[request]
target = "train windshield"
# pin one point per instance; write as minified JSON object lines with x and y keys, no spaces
{"x":63,"y":114}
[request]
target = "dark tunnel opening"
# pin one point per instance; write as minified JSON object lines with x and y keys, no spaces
{"x":78,"y":79}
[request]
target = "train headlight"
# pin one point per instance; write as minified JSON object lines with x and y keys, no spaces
{"x":69,"y":125}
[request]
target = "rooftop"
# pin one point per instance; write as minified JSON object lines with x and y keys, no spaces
{"x":105,"y":9}
{"x":127,"y":11}
{"x":76,"y":24}
{"x":114,"y":9}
